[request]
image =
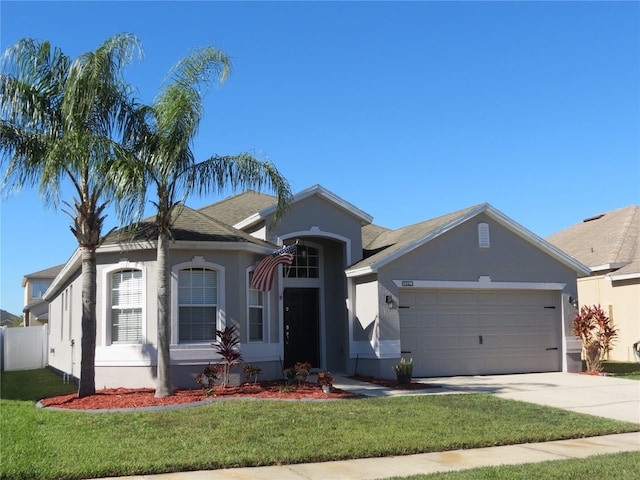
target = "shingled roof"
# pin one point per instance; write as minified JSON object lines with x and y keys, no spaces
{"x":391,"y":244}
{"x":370,"y":233}
{"x":46,"y":274}
{"x":188,"y":225}
{"x":234,"y":209}
{"x":50,"y":272}
{"x":608,"y":241}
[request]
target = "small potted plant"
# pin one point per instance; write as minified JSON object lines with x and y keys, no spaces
{"x":404,"y":371}
{"x":325,"y":380}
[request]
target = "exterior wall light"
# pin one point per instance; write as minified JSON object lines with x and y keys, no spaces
{"x":389,"y":301}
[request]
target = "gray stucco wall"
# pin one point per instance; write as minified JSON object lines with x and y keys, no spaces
{"x":455,"y":256}
{"x":65,"y":327}
{"x":314,"y":211}
{"x":139,"y":360}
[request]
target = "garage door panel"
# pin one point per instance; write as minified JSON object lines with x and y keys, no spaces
{"x":471,"y":332}
{"x":447,"y":298}
{"x":424,"y":298}
{"x":469,"y":319}
{"x":411,"y":321}
{"x":468,"y":298}
{"x":488,"y":320}
{"x":447,"y":320}
{"x":447,"y":342}
{"x":469,"y":341}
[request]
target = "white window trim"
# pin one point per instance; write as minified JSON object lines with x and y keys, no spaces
{"x":265,"y":312}
{"x":196,"y":262}
{"x":106,"y":303}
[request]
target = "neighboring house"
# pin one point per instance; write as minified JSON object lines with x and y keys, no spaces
{"x":36,"y":310}
{"x":609,"y":244}
{"x":467,"y":293}
{"x":9,"y":320}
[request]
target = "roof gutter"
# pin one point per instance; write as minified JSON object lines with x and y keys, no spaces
{"x":625,"y":276}
{"x":65,"y":274}
{"x":607,"y":266}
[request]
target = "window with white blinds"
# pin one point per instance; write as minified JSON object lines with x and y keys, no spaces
{"x":255,"y":305}
{"x":197,"y":305}
{"x":126,"y":306}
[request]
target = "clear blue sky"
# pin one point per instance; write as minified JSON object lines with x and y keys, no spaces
{"x":407,"y":110}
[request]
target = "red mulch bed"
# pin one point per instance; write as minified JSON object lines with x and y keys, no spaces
{"x":114,"y":398}
{"x":394,"y":383}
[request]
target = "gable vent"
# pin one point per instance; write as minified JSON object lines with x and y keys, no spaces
{"x":483,"y":235}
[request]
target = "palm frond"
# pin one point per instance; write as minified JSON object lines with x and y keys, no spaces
{"x":241,"y":172}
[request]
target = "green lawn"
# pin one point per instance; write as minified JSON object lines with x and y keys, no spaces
{"x":46,"y":444}
{"x":622,"y":369}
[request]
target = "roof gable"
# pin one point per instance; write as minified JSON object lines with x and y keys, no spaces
{"x":317,"y":190}
{"x":392,"y":244}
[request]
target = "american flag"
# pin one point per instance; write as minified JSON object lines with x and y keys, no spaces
{"x":265,"y":271}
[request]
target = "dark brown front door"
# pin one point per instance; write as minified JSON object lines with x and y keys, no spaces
{"x":301,"y":326}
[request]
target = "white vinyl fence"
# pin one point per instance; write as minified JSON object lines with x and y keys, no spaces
{"x":24,"y":348}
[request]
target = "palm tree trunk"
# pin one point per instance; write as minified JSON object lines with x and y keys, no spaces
{"x":87,"y":384}
{"x":163,"y":386}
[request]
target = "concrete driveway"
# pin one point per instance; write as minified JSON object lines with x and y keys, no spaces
{"x":602,"y":396}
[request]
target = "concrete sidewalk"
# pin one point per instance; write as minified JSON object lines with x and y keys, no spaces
{"x":424,"y":463}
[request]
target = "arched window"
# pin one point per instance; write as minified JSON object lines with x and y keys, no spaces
{"x":126,"y":306}
{"x":197,"y":304}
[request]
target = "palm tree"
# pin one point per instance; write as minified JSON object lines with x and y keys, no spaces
{"x":62,"y":120}
{"x":172,"y":122}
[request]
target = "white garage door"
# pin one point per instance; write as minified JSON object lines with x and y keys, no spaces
{"x":478,"y":332}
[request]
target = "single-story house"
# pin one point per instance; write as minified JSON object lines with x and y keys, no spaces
{"x":468,"y":293}
{"x":609,"y":244}
{"x":36,"y":309}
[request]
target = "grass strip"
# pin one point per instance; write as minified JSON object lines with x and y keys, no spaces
{"x":626,"y":370}
{"x":616,"y":466}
